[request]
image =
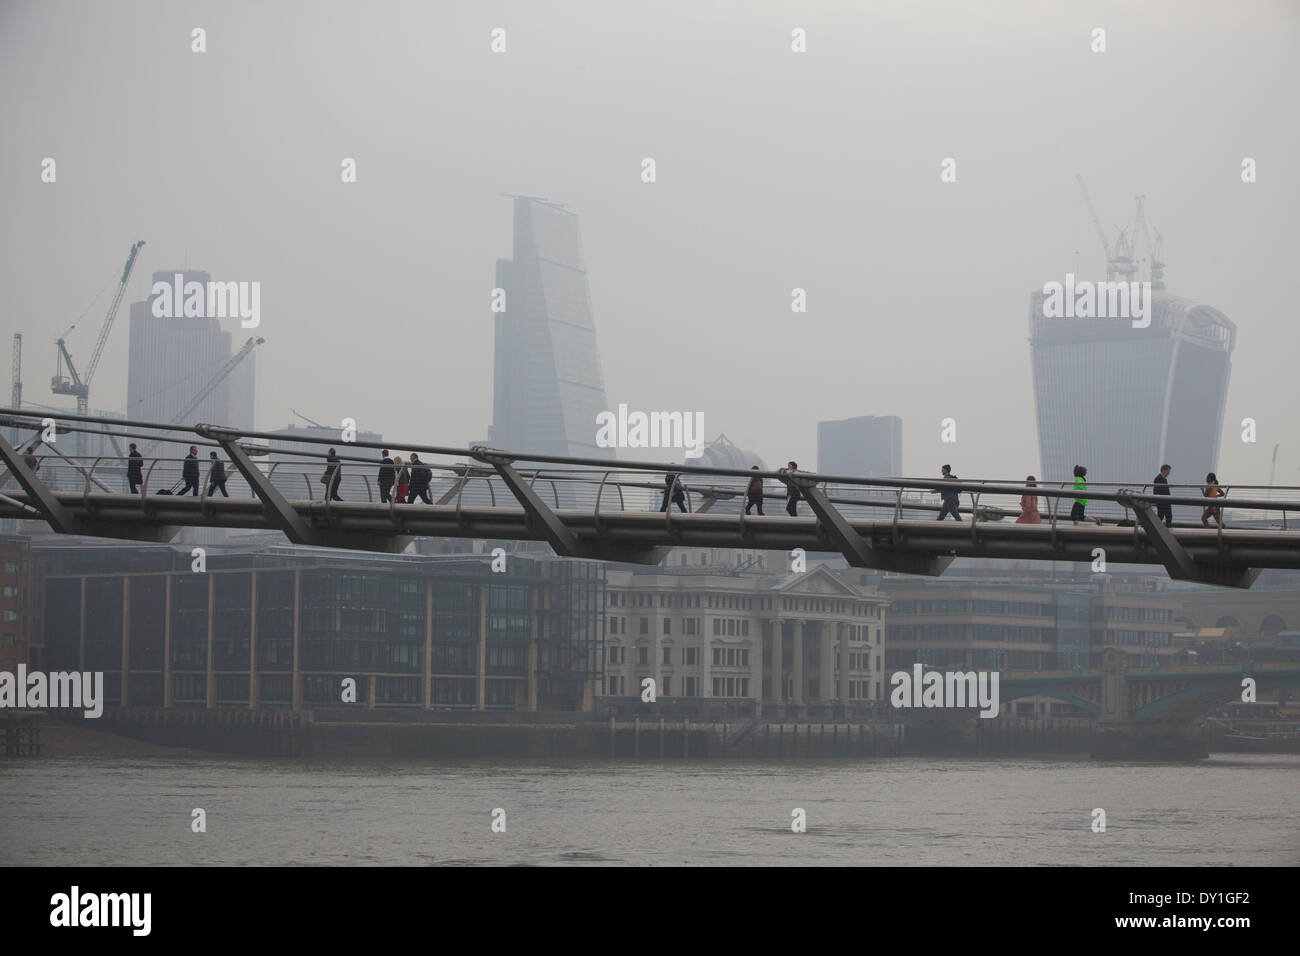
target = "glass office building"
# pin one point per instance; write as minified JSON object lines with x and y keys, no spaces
{"x":1123,"y":400}
{"x":548,"y":386}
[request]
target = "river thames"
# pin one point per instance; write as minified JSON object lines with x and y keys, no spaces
{"x":1229,"y":810}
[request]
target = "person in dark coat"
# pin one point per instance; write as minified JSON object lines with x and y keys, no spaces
{"x":674,"y":491}
{"x":190,"y":471}
{"x":387,"y":475}
{"x":217,"y":475}
{"x":30,"y":458}
{"x":949,"y":498}
{"x":754,"y":493}
{"x":1164,"y":511}
{"x":333,"y":475}
{"x":792,"y":494}
{"x":134,"y":469}
{"x":421,"y":477}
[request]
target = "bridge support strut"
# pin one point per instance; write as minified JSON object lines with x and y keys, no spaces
{"x":561,"y":537}
{"x":284,"y":516}
{"x":1181,"y":565}
{"x":856,"y":549}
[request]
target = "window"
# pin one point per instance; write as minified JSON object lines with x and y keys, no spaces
{"x":668,"y":625}
{"x":10,"y":590}
{"x":667,"y":691}
{"x":645,"y":625}
{"x":744,"y":658}
{"x":613,"y":625}
{"x":643,"y":655}
{"x":690,"y":656}
{"x":11,"y":615}
{"x":731,"y":657}
{"x":717,"y":687}
{"x":717,"y":656}
{"x":11,"y":567}
{"x":668,"y":656}
{"x":744,"y":628}
{"x":717,"y":626}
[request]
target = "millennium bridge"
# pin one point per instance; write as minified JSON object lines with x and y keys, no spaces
{"x":608,"y":510}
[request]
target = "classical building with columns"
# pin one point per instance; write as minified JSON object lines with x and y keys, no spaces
{"x":726,"y":628}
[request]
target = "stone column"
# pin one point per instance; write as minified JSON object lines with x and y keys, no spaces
{"x":843,"y":631}
{"x":211,"y":680}
{"x":826,"y":663}
{"x":778,"y":672}
{"x":797,"y":698}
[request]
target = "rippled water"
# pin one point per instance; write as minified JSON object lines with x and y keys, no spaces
{"x":1238,"y":809}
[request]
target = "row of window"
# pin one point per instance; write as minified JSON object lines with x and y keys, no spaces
{"x":617,"y":685}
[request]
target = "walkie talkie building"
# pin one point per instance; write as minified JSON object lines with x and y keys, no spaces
{"x":1124,"y":400}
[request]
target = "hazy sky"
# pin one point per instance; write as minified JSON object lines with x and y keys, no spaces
{"x":775,"y":170}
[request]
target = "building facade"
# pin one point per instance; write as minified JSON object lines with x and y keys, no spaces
{"x":286,"y":630}
{"x":18,"y":612}
{"x":709,"y":630}
{"x":1009,"y":627}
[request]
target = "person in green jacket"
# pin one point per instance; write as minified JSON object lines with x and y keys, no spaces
{"x":1080,"y":486}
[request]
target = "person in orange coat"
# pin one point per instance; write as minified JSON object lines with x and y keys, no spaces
{"x":1029,"y":505}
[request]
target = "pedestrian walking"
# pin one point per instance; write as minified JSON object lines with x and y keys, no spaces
{"x":387,"y":474}
{"x":134,"y":468}
{"x":1029,"y":505}
{"x":216,"y":475}
{"x":190,"y":471}
{"x":403,"y":480}
{"x":1164,"y":511}
{"x":949,"y":498}
{"x":1080,"y":503}
{"x":791,"y":492}
{"x":754,"y":493}
{"x":674,"y":491}
{"x":333,"y":475}
{"x":1212,"y":490}
{"x":421,"y":478}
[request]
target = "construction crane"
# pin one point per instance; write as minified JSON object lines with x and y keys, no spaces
{"x":1113,"y":254}
{"x":78,"y":385}
{"x":1096,"y":222}
{"x":1155,"y":249}
{"x":16,"y":396}
{"x":306,"y":419}
{"x":208,"y":389}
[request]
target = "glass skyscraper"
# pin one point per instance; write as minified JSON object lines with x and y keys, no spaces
{"x":1123,"y":400}
{"x":548,"y":385}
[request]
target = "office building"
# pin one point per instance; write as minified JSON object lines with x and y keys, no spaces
{"x":285,"y":628}
{"x":723,"y":626}
{"x":869,"y":446}
{"x":1122,"y":401}
{"x":172,"y":359}
{"x":548,"y":386}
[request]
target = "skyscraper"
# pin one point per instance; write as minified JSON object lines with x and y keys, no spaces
{"x":173,"y":359}
{"x":1123,"y":400}
{"x":869,"y":446}
{"x":547,"y":385}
